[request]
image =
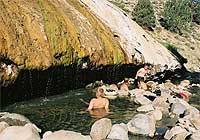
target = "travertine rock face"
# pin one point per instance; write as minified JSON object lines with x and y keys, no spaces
{"x":39,"y":34}
{"x":132,"y":37}
{"x":44,"y":33}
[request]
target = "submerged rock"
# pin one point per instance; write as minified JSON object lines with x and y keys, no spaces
{"x":65,"y":135}
{"x":100,"y":129}
{"x":119,"y":132}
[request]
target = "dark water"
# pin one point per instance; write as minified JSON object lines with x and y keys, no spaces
{"x":66,"y":111}
{"x":31,"y":84}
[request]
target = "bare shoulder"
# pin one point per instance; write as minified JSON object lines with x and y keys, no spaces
{"x":106,"y":100}
{"x":93,"y":100}
{"x":142,"y":69}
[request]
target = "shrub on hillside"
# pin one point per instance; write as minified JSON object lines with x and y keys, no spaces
{"x":196,"y":12}
{"x":177,"y":15}
{"x":143,"y":14}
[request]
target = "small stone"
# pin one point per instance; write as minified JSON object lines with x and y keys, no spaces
{"x":145,"y":108}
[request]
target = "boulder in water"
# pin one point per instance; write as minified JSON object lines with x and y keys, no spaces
{"x":100,"y":129}
{"x":142,"y":124}
{"x":27,"y":132}
{"x":119,"y":132}
{"x":65,"y":135}
{"x":13,"y":119}
{"x":142,"y":100}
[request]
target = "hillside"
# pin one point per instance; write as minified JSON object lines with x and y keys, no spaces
{"x":188,"y":44}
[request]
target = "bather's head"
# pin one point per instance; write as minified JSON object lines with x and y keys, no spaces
{"x":100,"y":92}
{"x":126,"y":81}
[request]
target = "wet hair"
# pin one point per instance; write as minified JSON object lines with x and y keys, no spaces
{"x":126,"y":80}
{"x":100,"y":92}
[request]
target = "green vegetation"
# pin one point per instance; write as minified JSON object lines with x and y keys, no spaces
{"x":175,"y":53}
{"x":196,"y":12}
{"x":143,"y":14}
{"x":169,"y":46}
{"x":177,"y":15}
{"x":112,"y":51}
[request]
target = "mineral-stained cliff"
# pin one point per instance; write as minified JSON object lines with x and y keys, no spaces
{"x":42,"y":33}
{"x":38,"y":34}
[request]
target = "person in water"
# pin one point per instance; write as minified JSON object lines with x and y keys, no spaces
{"x":99,"y":102}
{"x":141,"y":73}
{"x":124,"y":85}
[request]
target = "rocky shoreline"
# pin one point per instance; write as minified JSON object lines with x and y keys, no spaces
{"x":154,"y":106}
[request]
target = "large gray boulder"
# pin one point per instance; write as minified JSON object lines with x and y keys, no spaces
{"x":142,"y":124}
{"x":100,"y":129}
{"x":119,"y":132}
{"x":27,"y":132}
{"x":65,"y":135}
